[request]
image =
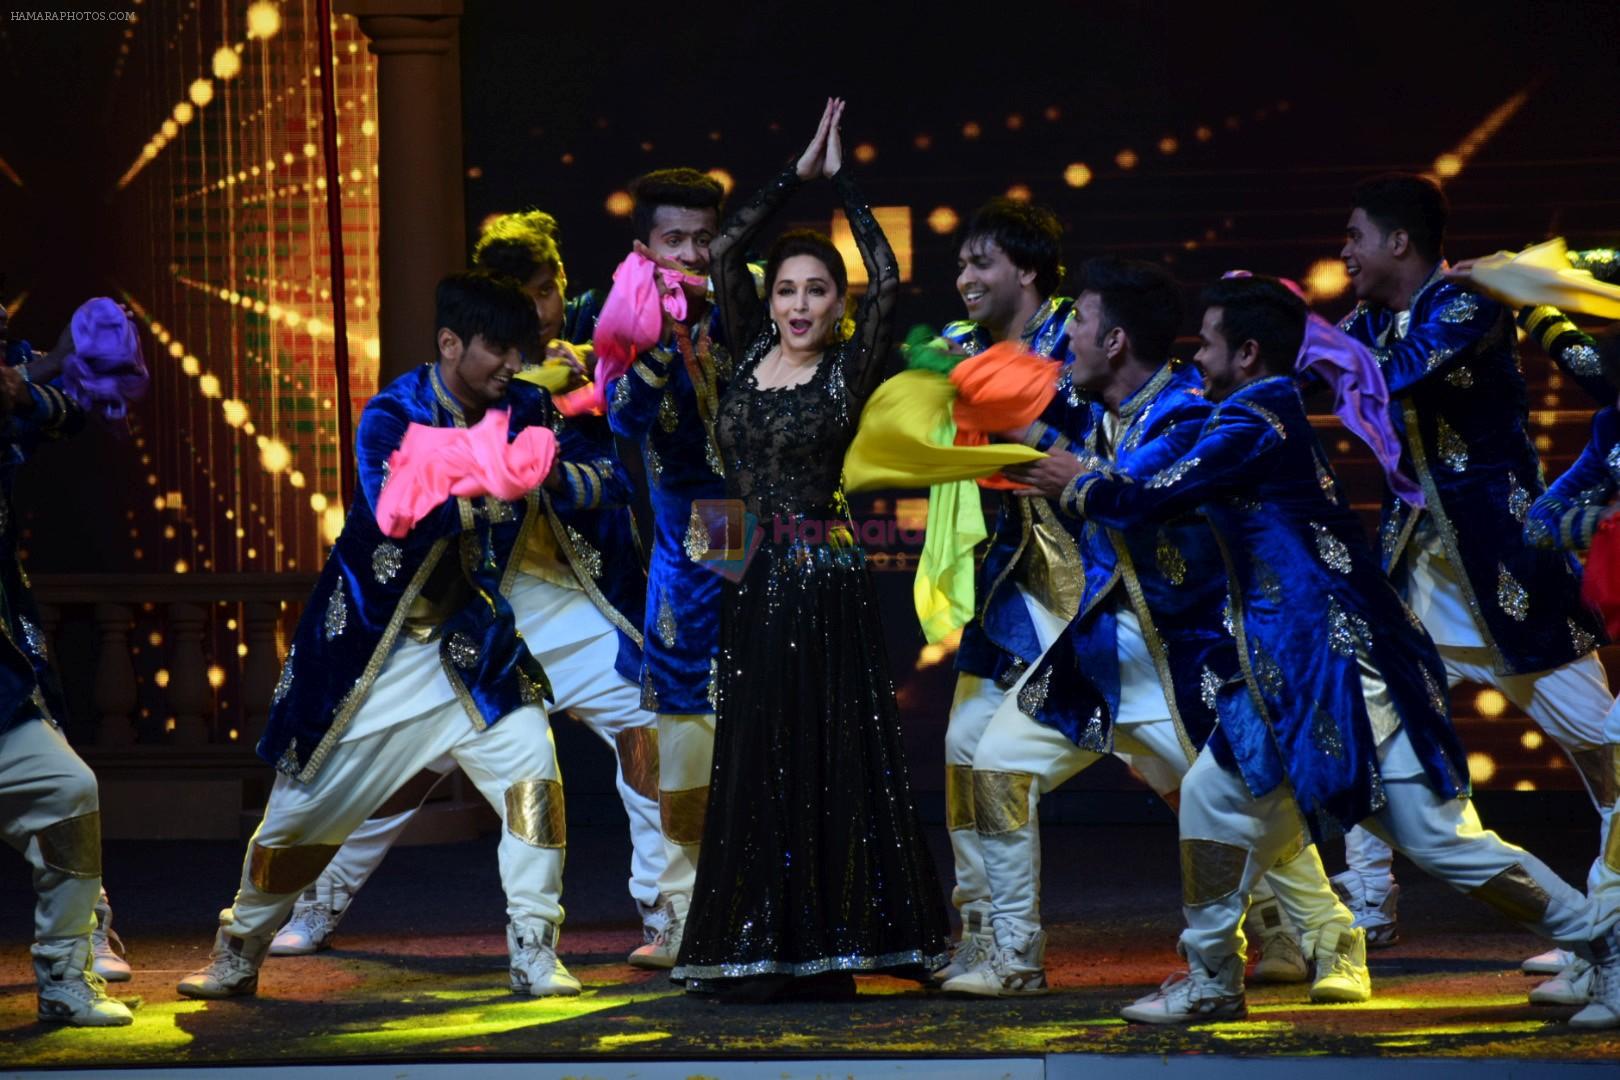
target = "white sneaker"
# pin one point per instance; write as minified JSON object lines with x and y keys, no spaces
{"x":1194,"y":996}
{"x":1551,"y":962}
{"x":1602,"y":1012}
{"x":971,"y":950}
{"x":1016,"y":971}
{"x":1572,"y":986}
{"x":106,"y":947}
{"x":313,"y":921}
{"x":662,"y":931}
{"x":70,"y":991}
{"x":1279,"y":956}
{"x":232,"y":971}
{"x":1341,"y":965}
{"x":1379,"y":920}
{"x":535,"y":968}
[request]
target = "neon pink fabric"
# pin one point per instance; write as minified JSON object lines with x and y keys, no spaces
{"x":432,"y":464}
{"x":632,"y":317}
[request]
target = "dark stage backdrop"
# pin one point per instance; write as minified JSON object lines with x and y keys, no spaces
{"x":1202,"y":138}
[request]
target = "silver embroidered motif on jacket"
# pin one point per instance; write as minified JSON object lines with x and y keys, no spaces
{"x":1209,"y":688}
{"x":386,"y":561}
{"x":1461,"y":376}
{"x":586,"y":556}
{"x":337,"y":612}
{"x":1580,"y":639}
{"x":1518,"y":501}
{"x":696,"y":543}
{"x":285,"y":681}
{"x":1032,"y":698}
{"x":32,"y":637}
{"x":1453,"y":450}
{"x":1462,"y":307}
{"x":1510,"y":595}
{"x":1583,"y":360}
{"x":1346,"y":630}
{"x":463,"y":650}
{"x":1331,"y":549}
{"x":667,"y":632}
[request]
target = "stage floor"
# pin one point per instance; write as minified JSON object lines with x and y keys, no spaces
{"x":419,"y":975}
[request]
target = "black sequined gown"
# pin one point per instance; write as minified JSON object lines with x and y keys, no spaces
{"x":813,"y":859}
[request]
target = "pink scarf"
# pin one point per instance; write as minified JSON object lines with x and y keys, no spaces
{"x":632,"y":317}
{"x":433,"y":464}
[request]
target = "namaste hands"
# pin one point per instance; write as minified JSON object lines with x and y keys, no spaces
{"x":825,"y":154}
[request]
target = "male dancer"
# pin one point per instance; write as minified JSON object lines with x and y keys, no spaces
{"x":591,"y":650}
{"x":666,"y":404}
{"x":1338,"y":716}
{"x":48,"y":798}
{"x":1137,"y":671}
{"x":401,"y":645}
{"x":1028,"y":584}
{"x":1502,"y":613}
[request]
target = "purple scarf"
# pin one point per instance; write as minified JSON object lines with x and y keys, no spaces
{"x":105,"y":370}
{"x":1360,"y":395}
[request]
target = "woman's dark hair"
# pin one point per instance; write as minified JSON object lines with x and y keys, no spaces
{"x":481,"y":303}
{"x":1140,"y":298}
{"x":806,"y":242}
{"x":1262,"y":310}
{"x":1029,"y":234}
{"x":686,"y":188}
{"x":1406,"y":201}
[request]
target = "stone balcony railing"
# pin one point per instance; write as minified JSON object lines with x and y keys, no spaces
{"x":183,"y":659}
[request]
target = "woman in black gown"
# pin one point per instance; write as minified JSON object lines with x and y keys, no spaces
{"x":814,"y":864}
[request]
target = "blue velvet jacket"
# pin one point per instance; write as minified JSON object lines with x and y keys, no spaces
{"x":1170,"y":573}
{"x":655,"y":405}
{"x":1568,"y":514}
{"x":371,"y":585}
{"x":29,"y":689}
{"x":592,"y":527}
{"x":1030,"y":543}
{"x":1307,"y":599}
{"x":599,"y":536}
{"x":1458,"y":402}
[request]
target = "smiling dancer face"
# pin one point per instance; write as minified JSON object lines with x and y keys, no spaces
{"x":1008,"y":264}
{"x":487,"y":325}
{"x":677,"y":216}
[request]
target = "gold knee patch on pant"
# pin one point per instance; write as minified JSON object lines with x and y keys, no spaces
{"x":282,"y":870}
{"x":638,"y":759}
{"x":1295,"y":849}
{"x":535,"y":813}
{"x":1210,"y":871}
{"x":1001,"y":801}
{"x":681,"y":814}
{"x":73,"y":845}
{"x":1600,"y":767}
{"x":958,"y":797}
{"x":1515,"y":894}
{"x":1611,"y":850}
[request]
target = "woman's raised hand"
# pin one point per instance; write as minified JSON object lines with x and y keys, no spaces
{"x":811,"y":162}
{"x":833,"y":160}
